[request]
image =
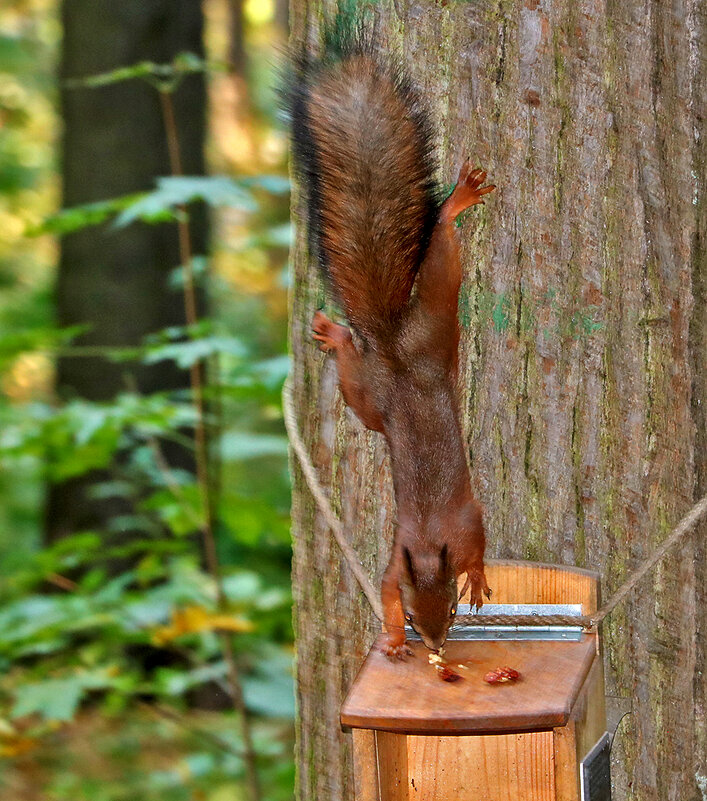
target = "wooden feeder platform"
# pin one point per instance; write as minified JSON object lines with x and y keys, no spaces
{"x":418,"y":737}
{"x":410,"y":697}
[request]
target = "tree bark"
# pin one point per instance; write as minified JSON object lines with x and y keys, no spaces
{"x":583,"y":352}
{"x":114,"y":143}
{"x":698,"y":348}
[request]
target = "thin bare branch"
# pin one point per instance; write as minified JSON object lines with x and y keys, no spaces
{"x":202,"y":461}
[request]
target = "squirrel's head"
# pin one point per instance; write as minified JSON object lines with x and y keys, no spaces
{"x":428,"y":589}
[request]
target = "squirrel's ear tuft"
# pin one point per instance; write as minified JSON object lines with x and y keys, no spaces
{"x":407,"y":561}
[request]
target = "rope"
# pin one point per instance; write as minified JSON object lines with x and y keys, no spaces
{"x":586,"y":621}
{"x":324,"y":506}
{"x":682,"y":528}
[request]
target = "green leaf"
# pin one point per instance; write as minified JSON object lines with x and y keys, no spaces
{"x":185,"y":354}
{"x":201,"y":764}
{"x":177,"y":682}
{"x":57,"y":699}
{"x":242,"y":586}
{"x":143,"y":69}
{"x":273,"y":372}
{"x":178,"y":333}
{"x":78,"y":217}
{"x":183,"y":514}
{"x":274,"y":184}
{"x":199,"y":272}
{"x":173,"y":192}
{"x":281,"y":235}
{"x":93,"y":419}
{"x":54,"y":699}
{"x":163,"y":204}
{"x":241,"y":445}
{"x":111,"y":489}
{"x":15,"y":54}
{"x":164,"y":76}
{"x":12,"y":344}
{"x":270,"y":691}
{"x":82,"y":436}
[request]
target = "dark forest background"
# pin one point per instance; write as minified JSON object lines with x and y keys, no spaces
{"x":145,"y":632}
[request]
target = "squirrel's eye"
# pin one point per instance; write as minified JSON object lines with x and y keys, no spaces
{"x":408,"y":617}
{"x":453,"y":611}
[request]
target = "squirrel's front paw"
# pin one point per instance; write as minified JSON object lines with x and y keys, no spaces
{"x":393,"y":648}
{"x":329,"y":335}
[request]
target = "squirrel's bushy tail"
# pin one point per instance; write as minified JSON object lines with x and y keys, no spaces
{"x":363,"y":149}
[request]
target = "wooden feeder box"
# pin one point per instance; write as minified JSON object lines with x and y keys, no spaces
{"x":418,"y":737}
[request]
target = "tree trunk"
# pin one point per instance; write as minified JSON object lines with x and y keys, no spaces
{"x":236,"y":45}
{"x":698,"y":349}
{"x":116,"y":281}
{"x":583,"y":352}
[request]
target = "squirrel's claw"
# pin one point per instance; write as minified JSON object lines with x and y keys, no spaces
{"x":471,"y":177}
{"x":476,"y":579}
{"x":329,"y":335}
{"x":394,"y":649}
{"x":324,"y":343}
{"x":465,"y":171}
{"x":468,"y":191}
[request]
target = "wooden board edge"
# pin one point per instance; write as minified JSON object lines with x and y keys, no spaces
{"x":520,"y":563}
{"x":403,"y":727}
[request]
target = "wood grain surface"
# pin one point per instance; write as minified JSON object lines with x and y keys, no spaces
{"x":365,"y":765}
{"x":533,"y":766}
{"x":511,"y":767}
{"x":410,"y":697}
{"x":393,"y":768}
{"x":516,"y":582}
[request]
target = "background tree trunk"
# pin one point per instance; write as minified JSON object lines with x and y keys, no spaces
{"x":236,"y":46}
{"x":698,"y":348}
{"x":116,"y":281}
{"x":583,"y":351}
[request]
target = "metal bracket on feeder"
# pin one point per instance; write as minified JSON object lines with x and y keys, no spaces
{"x":502,"y":632}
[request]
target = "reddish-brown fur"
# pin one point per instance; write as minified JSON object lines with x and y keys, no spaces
{"x":373,"y":184}
{"x":402,"y":382}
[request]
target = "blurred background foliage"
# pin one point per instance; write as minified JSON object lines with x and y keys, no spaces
{"x":114,"y":670}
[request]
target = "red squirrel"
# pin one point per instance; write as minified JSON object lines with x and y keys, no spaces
{"x":363,"y":150}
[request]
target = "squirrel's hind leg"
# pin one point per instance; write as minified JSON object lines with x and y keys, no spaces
{"x":468,"y":192}
{"x":440,"y":273}
{"x":354,"y":387}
